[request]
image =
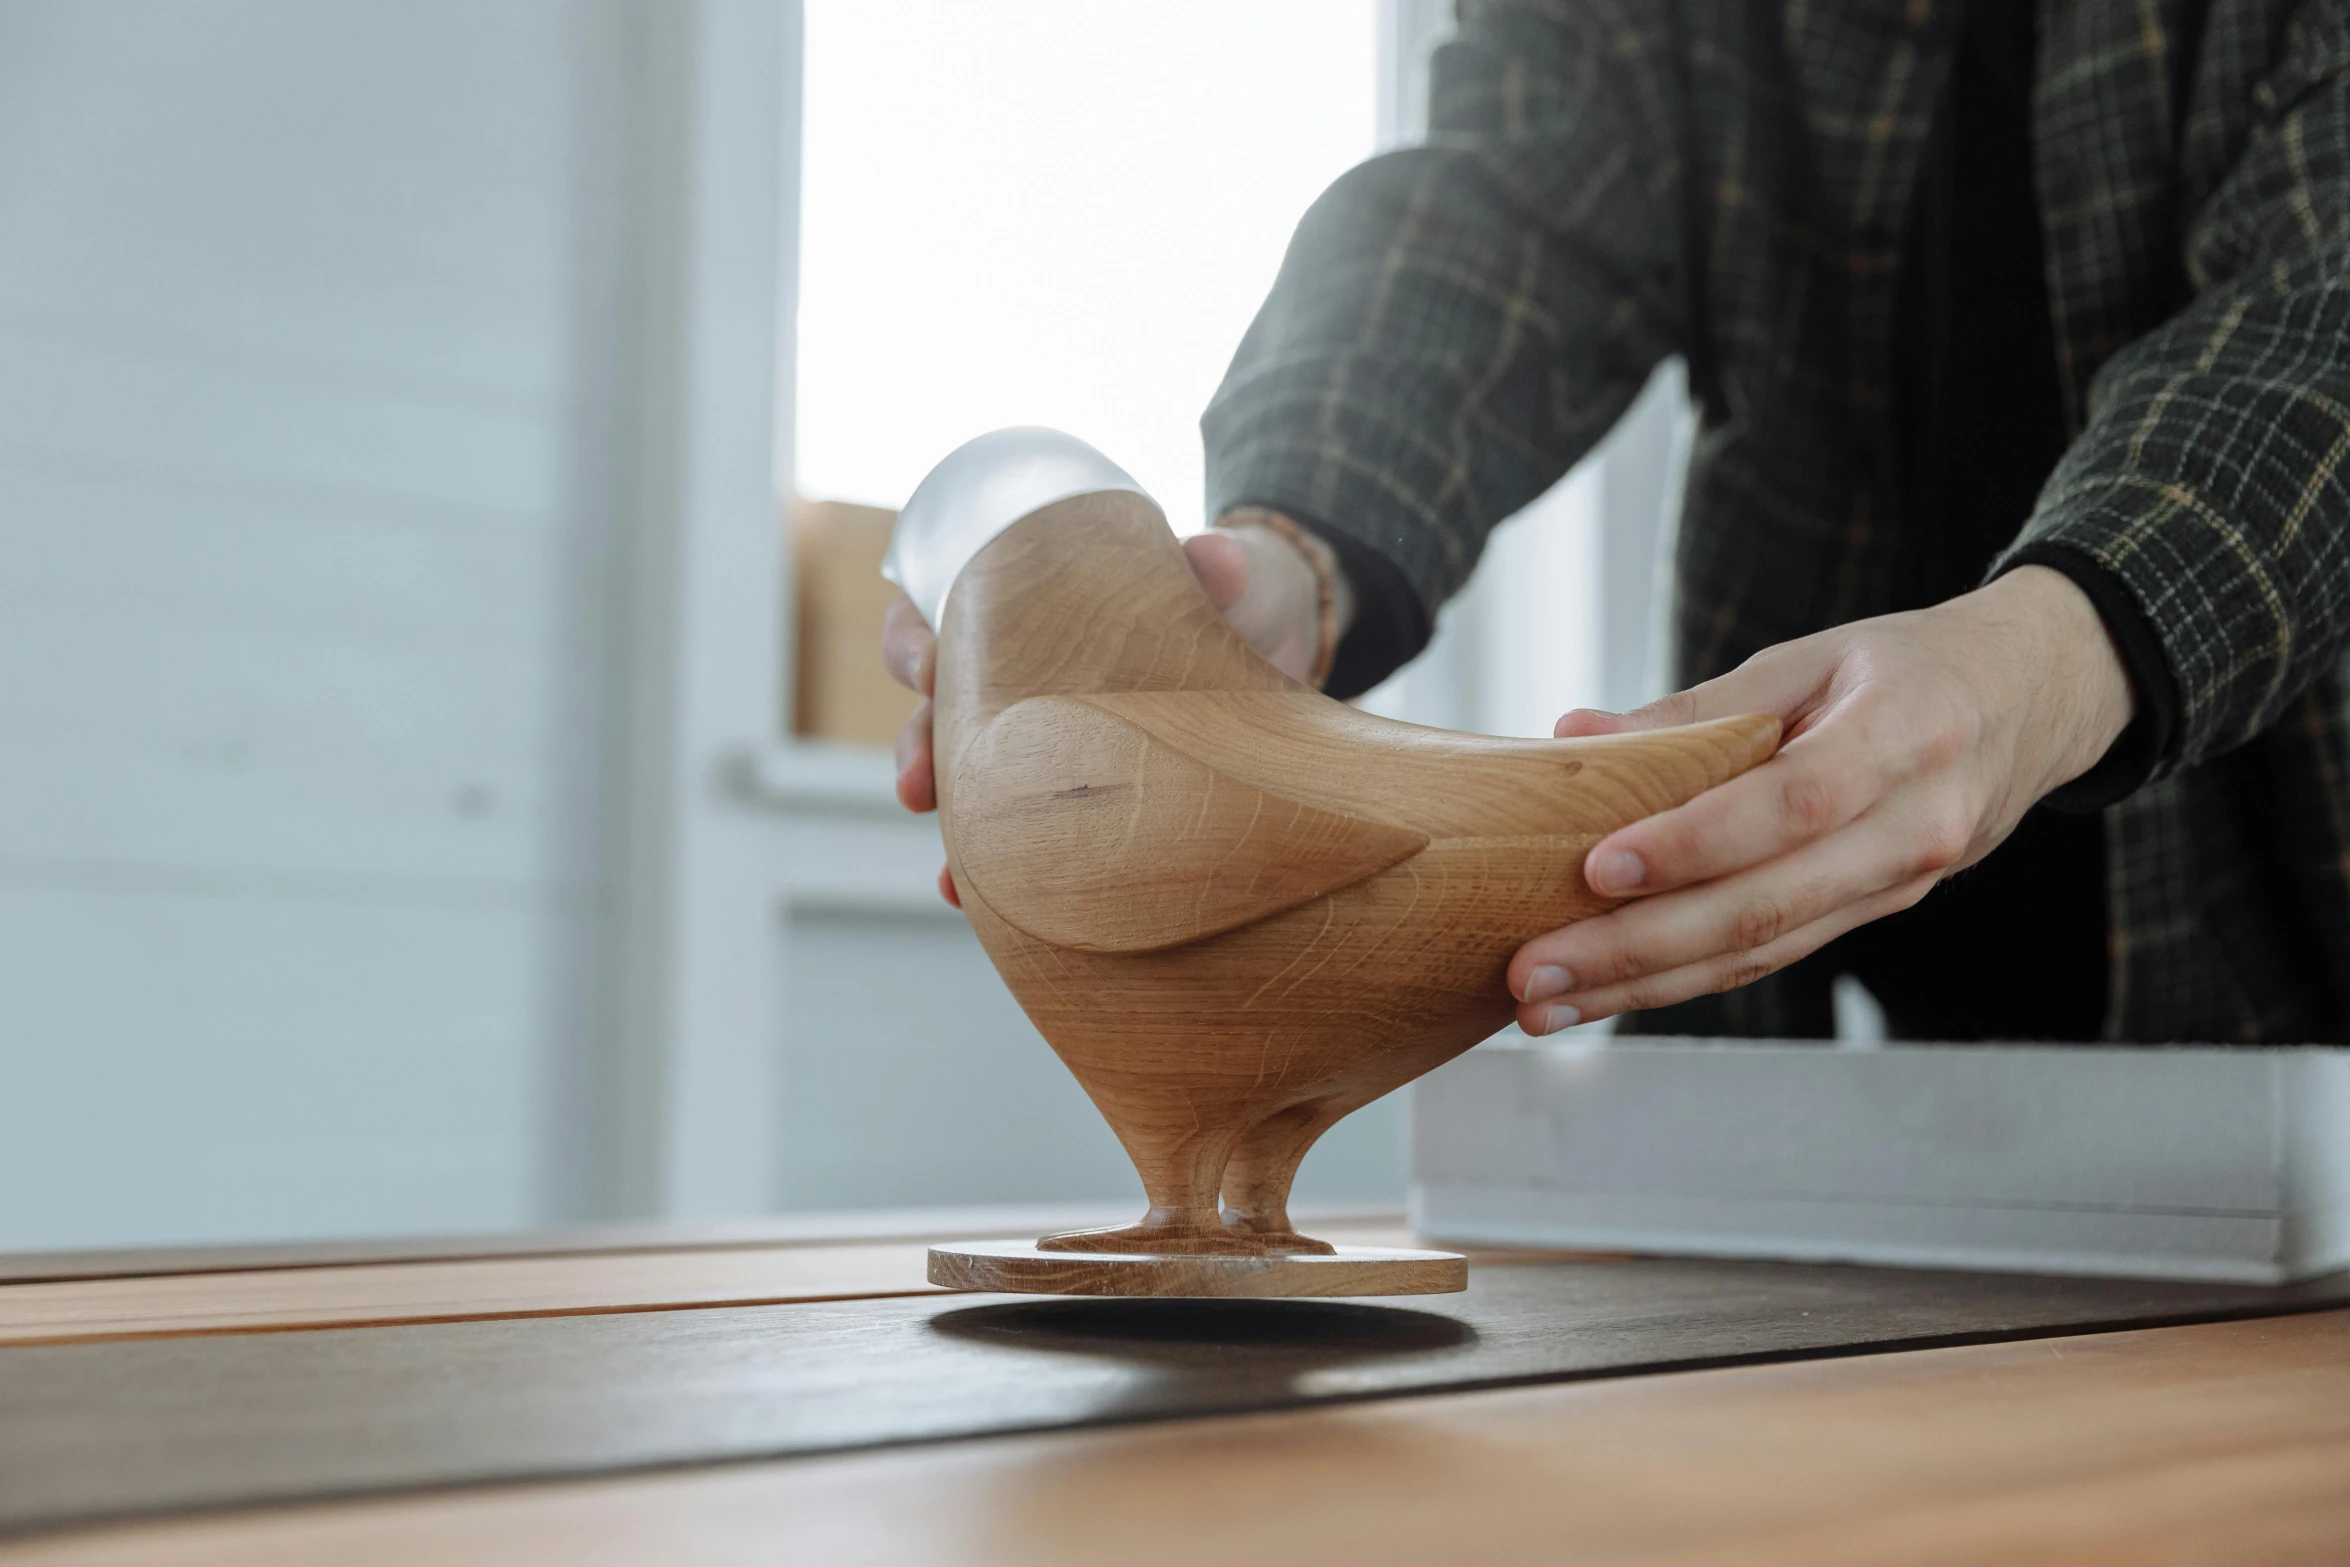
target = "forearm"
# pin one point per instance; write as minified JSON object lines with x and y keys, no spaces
{"x":2211,"y":477}
{"x":1456,"y":324}
{"x":2217,"y":498}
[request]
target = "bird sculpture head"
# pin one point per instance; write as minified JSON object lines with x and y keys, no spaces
{"x":1237,"y":909}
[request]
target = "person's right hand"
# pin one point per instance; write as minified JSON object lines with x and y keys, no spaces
{"x":1256,"y":577}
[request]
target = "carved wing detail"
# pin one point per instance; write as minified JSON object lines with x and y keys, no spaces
{"x":1086,"y":831}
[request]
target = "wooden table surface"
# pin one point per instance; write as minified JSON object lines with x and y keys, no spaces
{"x":2068,"y":1441}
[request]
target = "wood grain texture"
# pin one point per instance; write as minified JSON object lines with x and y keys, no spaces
{"x":2218,"y":1443}
{"x":468,"y":1289}
{"x":1023,"y":1267}
{"x":97,"y":1309}
{"x":93,"y":1431}
{"x":1238,"y":910}
{"x":35,"y":1267}
{"x":1095,"y":835}
{"x":1371,"y":1226}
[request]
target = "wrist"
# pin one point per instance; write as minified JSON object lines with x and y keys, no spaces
{"x":2075,"y":686}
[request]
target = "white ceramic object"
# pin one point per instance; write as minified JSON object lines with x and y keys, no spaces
{"x":2188,"y":1163}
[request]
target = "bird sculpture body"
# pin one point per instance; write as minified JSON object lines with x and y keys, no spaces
{"x":1237,"y":909}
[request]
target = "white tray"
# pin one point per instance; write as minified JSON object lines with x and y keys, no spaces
{"x":2192,"y":1163}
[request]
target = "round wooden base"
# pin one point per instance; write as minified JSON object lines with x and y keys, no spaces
{"x":1019,"y":1268}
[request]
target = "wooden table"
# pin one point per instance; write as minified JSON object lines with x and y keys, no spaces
{"x":309,"y":1406}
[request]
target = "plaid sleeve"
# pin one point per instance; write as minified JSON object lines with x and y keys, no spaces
{"x":2209,"y":477}
{"x":1456,"y":323}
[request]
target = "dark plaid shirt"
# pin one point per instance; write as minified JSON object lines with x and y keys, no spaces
{"x":1610,"y":182}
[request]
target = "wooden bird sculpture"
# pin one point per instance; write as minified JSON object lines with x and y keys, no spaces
{"x":1237,"y":909}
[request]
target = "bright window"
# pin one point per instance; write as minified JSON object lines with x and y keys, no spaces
{"x":1058,"y":212}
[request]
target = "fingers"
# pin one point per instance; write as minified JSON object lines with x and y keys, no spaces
{"x":917,"y":783}
{"x":1819,"y":782}
{"x":910,"y":652}
{"x":1891,"y":775}
{"x":908,"y":648}
{"x":1723,"y":971}
{"x":946,"y":887}
{"x":1801,"y":794}
{"x":1738,"y":915}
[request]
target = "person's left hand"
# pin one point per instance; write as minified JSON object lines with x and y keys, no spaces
{"x":1914,"y":744}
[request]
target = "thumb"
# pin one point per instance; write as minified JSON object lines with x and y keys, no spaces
{"x":1221,"y":566}
{"x":1781,"y":682}
{"x":1682,"y":707}
{"x":1576,"y":723}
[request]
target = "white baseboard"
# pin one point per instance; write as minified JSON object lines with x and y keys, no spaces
{"x":2195,"y":1163}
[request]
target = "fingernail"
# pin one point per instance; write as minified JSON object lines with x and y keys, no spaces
{"x":1617,"y":871}
{"x":1547,"y":980}
{"x":1559,"y":1016}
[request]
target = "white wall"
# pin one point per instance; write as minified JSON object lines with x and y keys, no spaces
{"x":394,"y":829}
{"x":395,"y":832}
{"x":308,"y":334}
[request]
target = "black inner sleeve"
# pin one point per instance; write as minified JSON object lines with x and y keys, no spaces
{"x":1390,"y":624}
{"x":2015,"y":947}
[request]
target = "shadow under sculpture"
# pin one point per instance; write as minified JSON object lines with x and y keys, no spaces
{"x":1237,"y":909}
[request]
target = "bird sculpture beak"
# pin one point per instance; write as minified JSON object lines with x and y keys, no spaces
{"x":977,"y":491}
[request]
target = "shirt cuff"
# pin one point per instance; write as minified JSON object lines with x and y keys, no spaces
{"x":2143,"y":747}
